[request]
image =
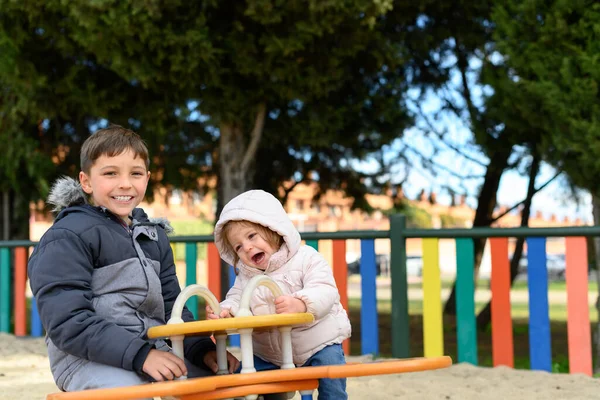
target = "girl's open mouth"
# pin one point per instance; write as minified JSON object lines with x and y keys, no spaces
{"x":258,"y":258}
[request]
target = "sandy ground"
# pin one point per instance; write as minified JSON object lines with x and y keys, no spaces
{"x":25,"y":375}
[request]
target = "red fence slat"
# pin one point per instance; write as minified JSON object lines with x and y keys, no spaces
{"x":502,"y":332}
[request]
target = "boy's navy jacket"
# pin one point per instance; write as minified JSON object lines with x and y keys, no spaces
{"x":99,"y":285}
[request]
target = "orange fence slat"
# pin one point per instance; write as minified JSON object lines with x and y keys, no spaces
{"x":502,"y":332}
{"x":214,"y":270}
{"x":340,"y":274}
{"x":19,"y":291}
{"x":578,"y":315}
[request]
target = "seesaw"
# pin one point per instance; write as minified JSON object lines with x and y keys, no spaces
{"x":204,"y":388}
{"x":249,"y":382}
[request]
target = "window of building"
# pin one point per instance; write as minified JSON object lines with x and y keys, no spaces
{"x":332,"y":211}
{"x":176,"y":197}
{"x":316,"y":207}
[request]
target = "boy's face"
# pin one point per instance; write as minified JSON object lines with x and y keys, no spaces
{"x":117,"y":183}
{"x":250,"y":247}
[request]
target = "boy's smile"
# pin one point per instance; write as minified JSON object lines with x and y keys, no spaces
{"x":117,"y":183}
{"x":250,"y":247}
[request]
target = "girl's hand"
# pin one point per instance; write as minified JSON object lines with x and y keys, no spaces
{"x":210,"y":360}
{"x":210,"y":314}
{"x":289,"y":305}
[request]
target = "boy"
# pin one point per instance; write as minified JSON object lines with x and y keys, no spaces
{"x":104,"y":273}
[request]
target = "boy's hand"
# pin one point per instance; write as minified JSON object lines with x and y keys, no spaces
{"x":163,"y":366}
{"x":210,"y":314}
{"x":210,"y":359}
{"x":288,"y":305}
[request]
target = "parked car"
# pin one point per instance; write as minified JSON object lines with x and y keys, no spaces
{"x":414,"y":265}
{"x":556,"y":266}
{"x":354,"y":266}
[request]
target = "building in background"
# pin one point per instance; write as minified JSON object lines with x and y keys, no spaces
{"x":332,"y":212}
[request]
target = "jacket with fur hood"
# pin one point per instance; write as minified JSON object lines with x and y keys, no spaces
{"x":299,"y":270}
{"x":99,"y":285}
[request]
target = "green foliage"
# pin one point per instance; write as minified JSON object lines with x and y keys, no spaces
{"x":176,"y":71}
{"x":552,"y":50}
{"x":189,"y":228}
{"x":451,"y":221}
{"x":416,"y":217}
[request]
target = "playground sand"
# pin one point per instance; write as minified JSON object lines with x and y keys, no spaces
{"x":25,"y":375}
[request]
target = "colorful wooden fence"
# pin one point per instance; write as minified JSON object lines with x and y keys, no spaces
{"x":13,"y":315}
{"x":578,"y":322}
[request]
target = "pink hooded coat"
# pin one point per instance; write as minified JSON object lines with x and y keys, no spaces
{"x":299,"y":270}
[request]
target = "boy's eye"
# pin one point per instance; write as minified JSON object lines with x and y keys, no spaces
{"x":109,"y":173}
{"x":137,"y":174}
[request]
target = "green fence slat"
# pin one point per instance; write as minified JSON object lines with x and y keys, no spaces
{"x":191,"y":258}
{"x":5,"y":284}
{"x":313,"y":243}
{"x":466,"y":327}
{"x":400,"y":318}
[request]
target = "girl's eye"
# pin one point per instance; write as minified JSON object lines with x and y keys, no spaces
{"x":237,"y":248}
{"x":251,"y":235}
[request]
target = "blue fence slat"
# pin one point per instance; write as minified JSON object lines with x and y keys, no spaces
{"x":37,"y":329}
{"x":234,"y":340}
{"x":539,"y":321}
{"x":369,"y":332}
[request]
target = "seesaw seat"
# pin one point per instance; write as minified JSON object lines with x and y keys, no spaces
{"x":229,"y":325}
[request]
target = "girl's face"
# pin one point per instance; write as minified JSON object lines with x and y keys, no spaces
{"x":117,"y":183}
{"x":250,"y":247}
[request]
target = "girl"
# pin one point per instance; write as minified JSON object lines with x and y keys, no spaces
{"x":255,"y":234}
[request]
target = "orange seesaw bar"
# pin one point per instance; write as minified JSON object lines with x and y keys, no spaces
{"x":200,"y":385}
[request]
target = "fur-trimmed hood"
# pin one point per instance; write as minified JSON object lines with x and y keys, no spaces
{"x":67,"y":192}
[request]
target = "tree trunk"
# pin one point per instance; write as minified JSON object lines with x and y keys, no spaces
{"x":14,"y":216}
{"x":486,"y":203}
{"x":236,"y":167}
{"x":596,"y":213}
{"x":485,"y":315}
{"x":4,"y":200}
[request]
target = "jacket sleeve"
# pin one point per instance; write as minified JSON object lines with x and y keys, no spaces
{"x":319,"y":291}
{"x":233,"y":297}
{"x":194,"y":347}
{"x":60,"y":271}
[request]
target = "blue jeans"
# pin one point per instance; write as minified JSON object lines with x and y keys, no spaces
{"x":329,"y":389}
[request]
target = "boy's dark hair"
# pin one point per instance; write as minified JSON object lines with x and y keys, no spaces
{"x":111,"y":142}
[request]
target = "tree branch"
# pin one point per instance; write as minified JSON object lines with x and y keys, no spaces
{"x":255,"y":135}
{"x":441,"y":167}
{"x":462,"y":64}
{"x":440,"y":136}
{"x":524,"y":200}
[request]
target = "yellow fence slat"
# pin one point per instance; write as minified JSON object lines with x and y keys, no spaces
{"x":433,"y":332}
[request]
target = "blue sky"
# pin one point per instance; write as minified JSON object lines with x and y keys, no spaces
{"x":465,"y":175}
{"x":459,"y":164}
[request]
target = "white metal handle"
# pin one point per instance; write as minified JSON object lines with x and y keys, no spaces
{"x":186,"y":293}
